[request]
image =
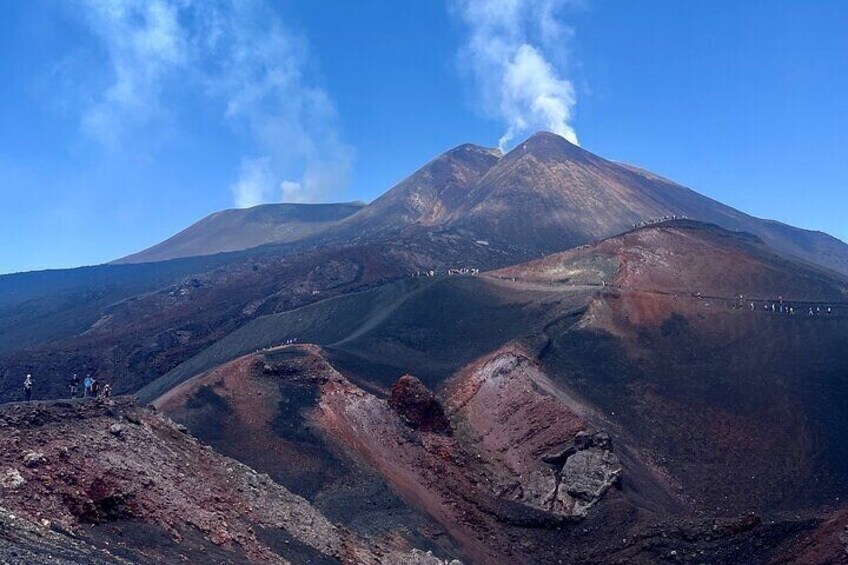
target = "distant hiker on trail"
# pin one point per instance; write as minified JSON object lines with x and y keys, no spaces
{"x":86,"y":384}
{"x":95,"y":388}
{"x":107,"y":390}
{"x":28,"y":388}
{"x":74,"y":385}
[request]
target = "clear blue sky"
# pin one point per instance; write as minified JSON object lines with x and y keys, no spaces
{"x":122,"y":123}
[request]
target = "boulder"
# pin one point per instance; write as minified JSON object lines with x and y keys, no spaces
{"x":34,"y":459}
{"x":582,"y":440}
{"x":418,"y":407}
{"x":587,"y":475}
{"x":12,"y":479}
{"x":583,"y":472}
{"x":602,"y":440}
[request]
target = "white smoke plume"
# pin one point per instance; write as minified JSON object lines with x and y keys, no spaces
{"x":514,"y":54}
{"x":236,"y":53}
{"x":256,"y":182}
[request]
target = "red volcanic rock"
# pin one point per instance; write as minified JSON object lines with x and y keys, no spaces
{"x":418,"y":406}
{"x":152,"y":493}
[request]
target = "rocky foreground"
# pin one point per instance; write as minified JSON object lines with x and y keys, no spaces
{"x":108,"y":481}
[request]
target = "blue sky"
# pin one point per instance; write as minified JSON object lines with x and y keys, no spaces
{"x":123,"y":122}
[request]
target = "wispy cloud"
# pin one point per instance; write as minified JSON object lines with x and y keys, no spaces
{"x":515,"y":53}
{"x":145,"y":45}
{"x":237,"y":53}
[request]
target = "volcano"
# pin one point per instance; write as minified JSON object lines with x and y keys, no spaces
{"x":536,"y":357}
{"x":573,"y":197}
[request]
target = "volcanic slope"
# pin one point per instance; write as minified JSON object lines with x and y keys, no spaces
{"x":105,"y":481}
{"x":236,"y":230}
{"x":427,"y":198}
{"x":737,"y":353}
{"x":715,"y":408}
{"x":423,"y":200}
{"x":132,"y":323}
{"x":429,"y":326}
{"x":573,"y":196}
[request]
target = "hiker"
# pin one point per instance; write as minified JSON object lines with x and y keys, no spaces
{"x":107,"y":390}
{"x":95,"y":388}
{"x":74,"y":385}
{"x":28,"y":388}
{"x":86,"y":384}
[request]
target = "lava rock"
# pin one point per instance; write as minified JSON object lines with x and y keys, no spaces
{"x":12,"y":479}
{"x":589,"y":473}
{"x":34,"y":459}
{"x":418,"y":406}
{"x":132,"y":419}
{"x":558,"y":458}
{"x":583,"y":472}
{"x":602,"y":440}
{"x":582,"y":440}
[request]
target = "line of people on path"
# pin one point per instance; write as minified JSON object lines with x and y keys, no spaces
{"x":90,"y":387}
{"x":654,"y":221}
{"x":782,"y":307}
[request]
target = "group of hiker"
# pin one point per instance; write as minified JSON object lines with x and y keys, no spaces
{"x":90,"y":387}
{"x":654,"y":221}
{"x":787,"y":309}
{"x":782,"y":307}
{"x":450,"y":272}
